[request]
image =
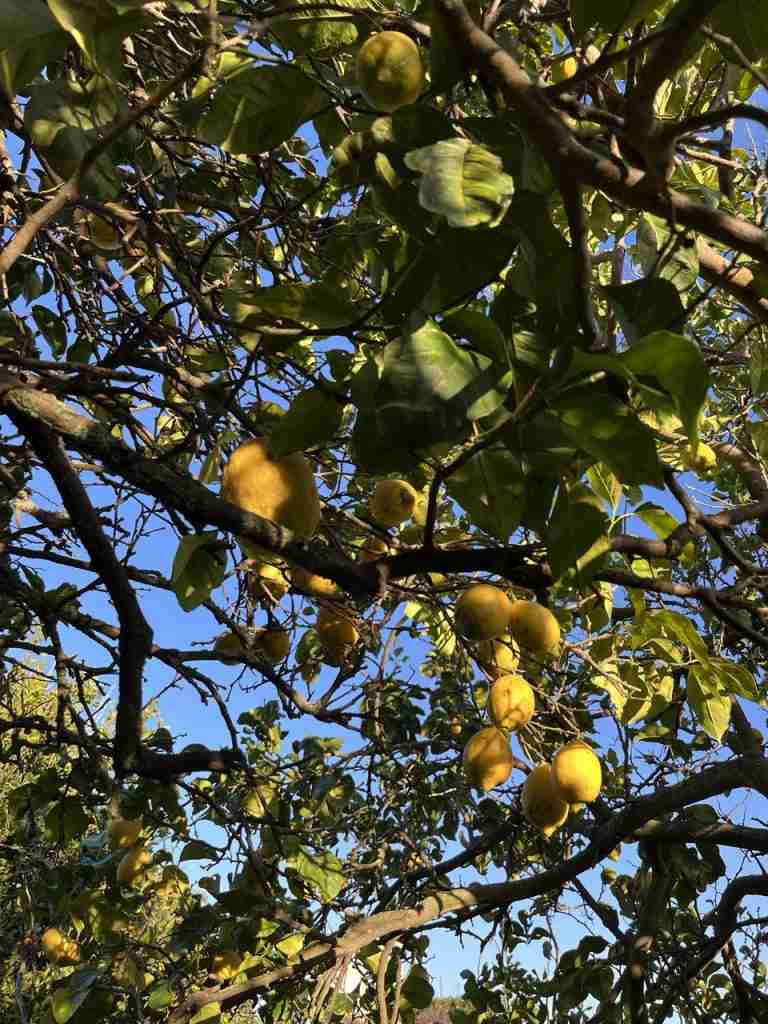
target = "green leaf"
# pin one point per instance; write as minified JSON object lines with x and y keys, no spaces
{"x":198,"y":568}
{"x":66,"y":820}
{"x":417,"y":988}
{"x":647,"y":305}
{"x":255,"y":109}
{"x":544,"y":269}
{"x":431,"y":389}
{"x":674,"y":260}
{"x":321,"y":870}
{"x":312,"y":419}
{"x":161,"y":994}
{"x":32,"y":37}
{"x":491,"y":487}
{"x":678,"y":365}
{"x":712,"y":710}
{"x":98,"y":30}
{"x":462,"y":182}
{"x":577,"y":533}
{"x":196,"y":849}
{"x":745,"y":23}
{"x":52,"y":327}
{"x":315,"y":32}
{"x":65,"y":1003}
{"x":314,"y":306}
{"x":208,"y":1013}
{"x":608,"y":430}
{"x":610,"y":15}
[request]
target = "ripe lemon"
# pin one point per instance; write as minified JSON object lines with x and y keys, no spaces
{"x":488,"y":761}
{"x":270,"y":578}
{"x":541,"y":801}
{"x":281,"y":489}
{"x":311,"y":583}
{"x":58,"y":949}
{"x":337,"y":634}
{"x":499,"y":656}
{"x":393,"y":502}
{"x":230,"y":647}
{"x":123,"y":833}
{"x":701,"y":459}
{"x":576,"y":773}
{"x":272,"y":644}
{"x":534,"y":627}
{"x":389,"y":71}
{"x":511,"y":703}
{"x":226,"y":965}
{"x":373,"y":548}
{"x":133,"y":865}
{"x":482,"y":612}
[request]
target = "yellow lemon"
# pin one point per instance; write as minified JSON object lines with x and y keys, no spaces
{"x":311,"y":583}
{"x":226,"y":965}
{"x":133,"y":865}
{"x":577,"y":773}
{"x":393,"y":502}
{"x":488,"y":761}
{"x":390,"y":72}
{"x":337,"y":633}
{"x":541,"y":801}
{"x":53,"y":944}
{"x":701,"y":459}
{"x":511,"y":703}
{"x":482,"y":612}
{"x":123,"y":833}
{"x":271,"y":578}
{"x":273,"y":644}
{"x":373,"y":548}
{"x":500,"y":656}
{"x":281,"y":489}
{"x":534,"y":627}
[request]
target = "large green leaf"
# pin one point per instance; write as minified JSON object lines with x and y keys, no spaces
{"x":462,"y":182}
{"x":577,"y":533}
{"x":314,"y":306}
{"x":417,"y":989}
{"x":257,"y":108}
{"x":492,"y":489}
{"x":98,"y":29}
{"x":651,"y":304}
{"x":198,"y":568}
{"x":661,"y":255}
{"x":315,"y":31}
{"x":312,"y":419}
{"x":678,"y":365}
{"x":544,"y":269}
{"x":745,"y":22}
{"x":431,"y":388}
{"x":611,"y":15}
{"x":31,"y":38}
{"x":712,"y":709}
{"x":609,"y":430}
{"x":66,"y":820}
{"x":321,"y":871}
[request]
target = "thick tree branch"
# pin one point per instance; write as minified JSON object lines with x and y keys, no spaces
{"x":477,"y":899}
{"x":135,"y":632}
{"x":630,"y":186}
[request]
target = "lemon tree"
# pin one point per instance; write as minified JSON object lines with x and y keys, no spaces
{"x":384,"y":511}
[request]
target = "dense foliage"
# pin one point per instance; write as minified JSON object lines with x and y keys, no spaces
{"x":538,"y":295}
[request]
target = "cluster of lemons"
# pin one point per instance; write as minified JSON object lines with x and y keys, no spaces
{"x":283,"y":490}
{"x":502,"y":627}
{"x":123,"y":834}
